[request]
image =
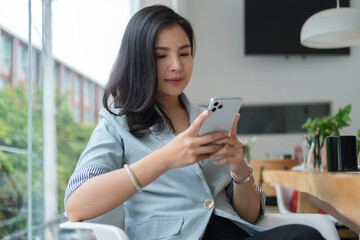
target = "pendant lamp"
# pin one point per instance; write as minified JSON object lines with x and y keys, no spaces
{"x":332,"y":28}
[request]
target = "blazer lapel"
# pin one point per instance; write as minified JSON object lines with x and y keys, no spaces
{"x":166,"y":135}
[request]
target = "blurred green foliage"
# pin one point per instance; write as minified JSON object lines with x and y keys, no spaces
{"x":331,"y":124}
{"x":71,"y":138}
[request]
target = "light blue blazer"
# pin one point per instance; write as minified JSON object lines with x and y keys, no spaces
{"x":178,"y":204}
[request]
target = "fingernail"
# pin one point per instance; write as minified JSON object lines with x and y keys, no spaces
{"x":205,"y":112}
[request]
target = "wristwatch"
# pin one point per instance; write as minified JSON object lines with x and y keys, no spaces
{"x":237,"y":181}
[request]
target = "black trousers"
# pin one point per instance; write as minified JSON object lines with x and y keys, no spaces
{"x":223,"y":229}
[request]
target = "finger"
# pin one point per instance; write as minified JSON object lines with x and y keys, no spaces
{"x":220,"y":152}
{"x":227,"y":150}
{"x":221,"y":161}
{"x":194,"y":127}
{"x":208,"y":149}
{"x":228,"y":141}
{"x":202,"y":157}
{"x":211,"y":138}
{"x":226,"y":160}
{"x":234,"y":126}
{"x":223,"y":154}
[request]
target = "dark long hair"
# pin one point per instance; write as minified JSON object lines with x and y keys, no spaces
{"x":133,"y":82}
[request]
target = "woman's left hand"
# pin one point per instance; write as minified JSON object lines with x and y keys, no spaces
{"x":232,"y":153}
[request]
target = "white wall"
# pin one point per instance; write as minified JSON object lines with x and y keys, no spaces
{"x":222,"y":69}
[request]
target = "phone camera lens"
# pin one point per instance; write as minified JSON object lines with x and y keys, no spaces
{"x":213,"y":110}
{"x":220,"y":106}
{"x":216,"y":103}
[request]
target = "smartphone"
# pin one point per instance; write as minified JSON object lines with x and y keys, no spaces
{"x":223,"y":112}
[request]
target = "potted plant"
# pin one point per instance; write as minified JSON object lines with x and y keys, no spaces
{"x":329,"y":124}
{"x":318,"y":128}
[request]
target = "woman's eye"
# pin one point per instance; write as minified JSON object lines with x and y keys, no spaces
{"x":184,"y":54}
{"x":160,"y":56}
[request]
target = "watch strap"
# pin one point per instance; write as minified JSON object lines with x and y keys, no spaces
{"x":245,"y":180}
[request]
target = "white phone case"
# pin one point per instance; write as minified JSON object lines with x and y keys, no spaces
{"x":222,"y":115}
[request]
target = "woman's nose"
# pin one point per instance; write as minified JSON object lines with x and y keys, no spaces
{"x":176,"y":64}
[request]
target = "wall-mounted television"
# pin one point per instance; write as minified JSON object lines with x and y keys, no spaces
{"x":273,"y":26}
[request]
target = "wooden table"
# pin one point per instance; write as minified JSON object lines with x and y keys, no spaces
{"x":336,"y":193}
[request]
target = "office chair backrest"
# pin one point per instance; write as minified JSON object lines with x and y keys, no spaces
{"x":283,"y":197}
{"x":115,"y":217}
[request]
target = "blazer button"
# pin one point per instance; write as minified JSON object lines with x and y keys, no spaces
{"x":209,"y":204}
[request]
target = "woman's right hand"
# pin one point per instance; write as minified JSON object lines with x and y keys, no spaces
{"x":188,"y":148}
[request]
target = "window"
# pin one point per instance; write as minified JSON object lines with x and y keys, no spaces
{"x":67,"y":81}
{"x":77,"y":98}
{"x":89,"y":101}
{"x":100,"y":96}
{"x":22,"y":59}
{"x":5,"y":50}
{"x":86,"y":92}
{"x":36,"y":66}
{"x":77,"y":89}
{"x":86,"y":102}
{"x":56,"y":74}
{"x":18,"y":196}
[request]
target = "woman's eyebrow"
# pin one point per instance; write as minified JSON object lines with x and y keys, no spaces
{"x":167,"y":49}
{"x":184,"y":46}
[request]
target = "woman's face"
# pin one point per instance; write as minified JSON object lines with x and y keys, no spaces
{"x":174,"y":61}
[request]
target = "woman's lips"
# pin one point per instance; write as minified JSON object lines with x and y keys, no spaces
{"x":174,"y":81}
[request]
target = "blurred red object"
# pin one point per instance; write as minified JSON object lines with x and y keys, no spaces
{"x":294,"y":203}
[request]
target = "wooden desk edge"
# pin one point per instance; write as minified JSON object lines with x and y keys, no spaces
{"x":307,"y":182}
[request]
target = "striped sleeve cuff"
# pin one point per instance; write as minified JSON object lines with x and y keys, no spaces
{"x":262,"y":194}
{"x":80,"y":176}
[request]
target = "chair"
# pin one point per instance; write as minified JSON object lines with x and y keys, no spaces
{"x":259,"y":165}
{"x":105,"y":227}
{"x":109,"y":225}
{"x":283,"y":198}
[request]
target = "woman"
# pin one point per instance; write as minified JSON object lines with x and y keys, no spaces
{"x":146,"y":152}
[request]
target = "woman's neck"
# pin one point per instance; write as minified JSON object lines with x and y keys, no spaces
{"x":177,"y":116}
{"x":169,"y":102}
